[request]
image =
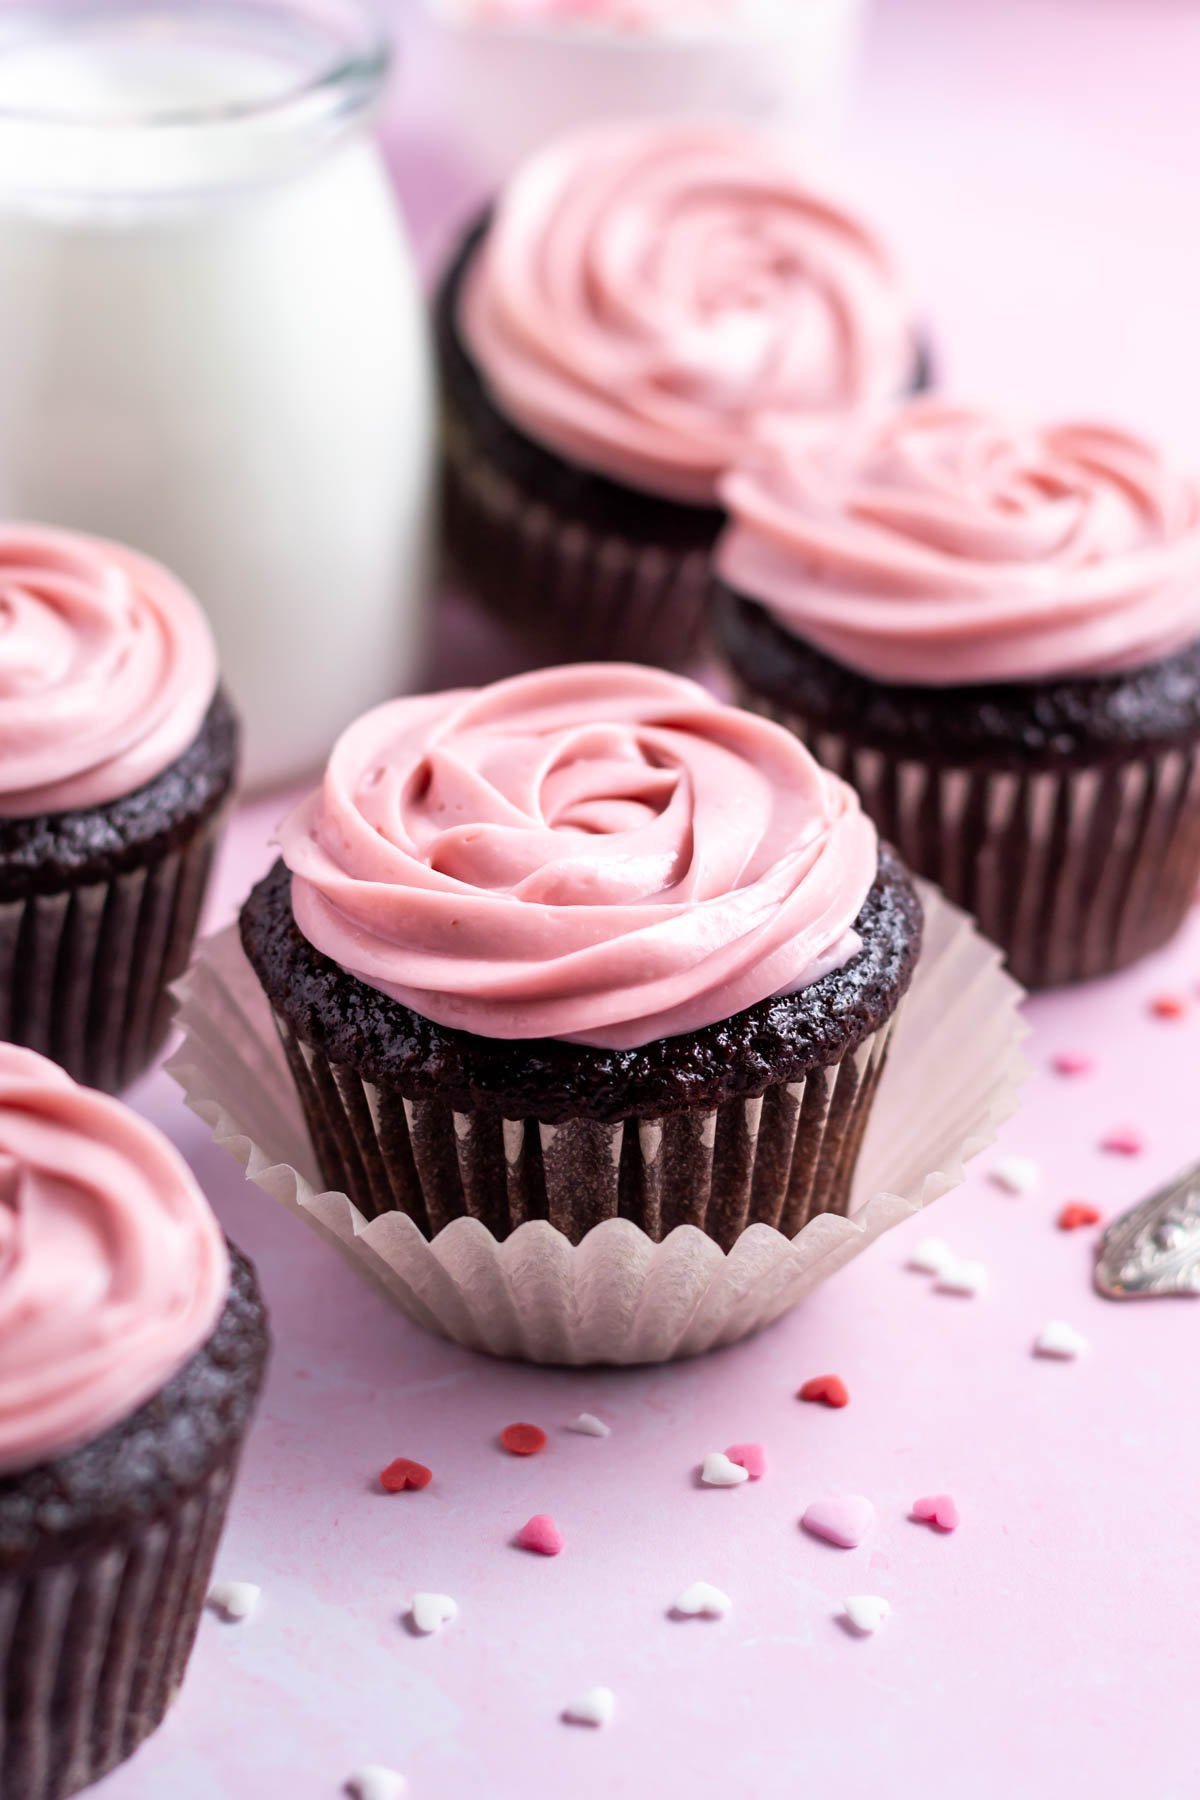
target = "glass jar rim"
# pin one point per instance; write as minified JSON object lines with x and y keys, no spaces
{"x":347,"y":79}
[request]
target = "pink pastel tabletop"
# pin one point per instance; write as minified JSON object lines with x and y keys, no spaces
{"x":1027,"y":155}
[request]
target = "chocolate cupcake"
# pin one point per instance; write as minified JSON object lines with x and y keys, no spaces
{"x":132,"y":1349}
{"x":117,"y":754}
{"x":582,"y":945}
{"x":993,"y":632}
{"x":641,"y":299}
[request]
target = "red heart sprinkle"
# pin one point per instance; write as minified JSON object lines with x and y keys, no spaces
{"x":1123,"y":1142}
{"x":830,"y":1390}
{"x":1077,"y":1213}
{"x":403,"y":1474}
{"x":1073,"y":1062}
{"x":523,"y":1440}
{"x":1168,"y":1006}
{"x":936,"y":1509}
{"x":541,"y":1534}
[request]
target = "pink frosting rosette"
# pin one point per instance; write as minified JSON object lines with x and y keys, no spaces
{"x":107,"y":668}
{"x":646,"y":296}
{"x":602,"y":853}
{"x":113,"y":1270}
{"x":942,"y":544}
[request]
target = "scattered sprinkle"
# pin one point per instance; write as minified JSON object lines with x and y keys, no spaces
{"x":595,"y":1707}
{"x":936,"y":1509}
{"x":374,"y":1782}
{"x":234,"y":1600}
{"x":702,"y":1601}
{"x":523,"y":1440}
{"x":1077,"y":1213}
{"x":1124,"y":1141}
{"x":866,"y":1612}
{"x":403,"y":1474}
{"x":963,"y":1277}
{"x":841,"y":1519}
{"x":751,"y":1457}
{"x":718,"y":1470}
{"x":1168,"y":1006}
{"x":1073,"y":1062}
{"x":931,"y":1256}
{"x":429,"y":1612}
{"x":590,"y":1426}
{"x":1060,"y":1340}
{"x":826,"y":1390}
{"x":1016,"y":1175}
{"x":541,"y":1534}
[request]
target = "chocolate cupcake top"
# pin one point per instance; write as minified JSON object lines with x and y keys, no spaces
{"x":603,"y":854}
{"x":941,"y":545}
{"x":107,"y":669}
{"x":648,"y":296}
{"x":113,"y":1270}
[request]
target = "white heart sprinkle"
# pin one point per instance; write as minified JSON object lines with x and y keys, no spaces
{"x":1059,"y":1339}
{"x":596,"y":1707}
{"x":866,"y":1612}
{"x":374,"y":1782}
{"x":429,"y":1612}
{"x":963,"y":1278}
{"x":590,"y":1426}
{"x":1016,"y":1174}
{"x":718,"y":1471}
{"x":234,"y":1600}
{"x":931,"y":1256}
{"x":702,"y":1600}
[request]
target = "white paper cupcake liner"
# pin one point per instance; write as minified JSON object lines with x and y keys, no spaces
{"x":952,"y":1074}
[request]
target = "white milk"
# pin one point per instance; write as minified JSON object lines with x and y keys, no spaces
{"x":213,"y":344}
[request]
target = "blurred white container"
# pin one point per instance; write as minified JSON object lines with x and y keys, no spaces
{"x":509,"y":86}
{"x":212,"y":338}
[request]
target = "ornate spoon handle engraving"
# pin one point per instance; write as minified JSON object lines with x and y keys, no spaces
{"x":1155,"y":1247}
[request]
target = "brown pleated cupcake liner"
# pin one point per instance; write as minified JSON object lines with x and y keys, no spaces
{"x":572,"y":592}
{"x":778,"y":1158}
{"x":621,"y":1295}
{"x":85,"y":971}
{"x":1073,"y":872}
{"x":93,"y":1648}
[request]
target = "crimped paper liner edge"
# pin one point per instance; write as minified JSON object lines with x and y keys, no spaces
{"x":618,"y":1297}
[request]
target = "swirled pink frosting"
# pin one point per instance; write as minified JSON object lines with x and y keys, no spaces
{"x":113,"y":1270}
{"x":602,"y":853}
{"x":648,"y":295}
{"x":944,"y":545}
{"x":107,"y":668}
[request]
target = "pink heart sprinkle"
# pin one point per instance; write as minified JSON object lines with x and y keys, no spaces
{"x":1123,"y":1142}
{"x":936,"y":1509}
{"x":841,"y":1519}
{"x":751,"y":1457}
{"x":1073,"y":1062}
{"x":541,"y":1534}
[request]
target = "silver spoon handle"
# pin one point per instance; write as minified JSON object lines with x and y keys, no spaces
{"x":1154,"y":1248}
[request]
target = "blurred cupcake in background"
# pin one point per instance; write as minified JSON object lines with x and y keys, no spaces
{"x":133,"y":1343}
{"x":582,"y":945}
{"x":642,"y":300}
{"x":992,"y":630}
{"x":118,"y":752}
{"x":517,"y":73}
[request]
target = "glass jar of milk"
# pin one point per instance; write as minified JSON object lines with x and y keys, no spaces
{"x":212,"y":339}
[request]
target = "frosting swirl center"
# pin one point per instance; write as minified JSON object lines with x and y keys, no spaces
{"x":603,"y":853}
{"x":647,"y":296}
{"x":107,"y":668}
{"x":940,"y":544}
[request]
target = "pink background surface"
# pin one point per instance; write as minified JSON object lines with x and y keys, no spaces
{"x":1029,"y":157}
